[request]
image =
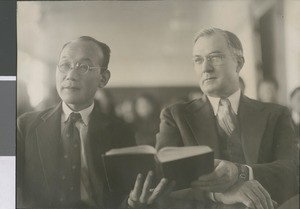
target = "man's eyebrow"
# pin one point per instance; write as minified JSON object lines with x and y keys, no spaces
{"x":86,"y":59}
{"x":83,"y":59}
{"x":213,"y":52}
{"x":216,"y":52}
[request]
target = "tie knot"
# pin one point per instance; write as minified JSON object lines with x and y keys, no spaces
{"x":74,"y":117}
{"x":225,"y":102}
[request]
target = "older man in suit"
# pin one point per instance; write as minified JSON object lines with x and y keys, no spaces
{"x":254,"y":144}
{"x":59,"y":150}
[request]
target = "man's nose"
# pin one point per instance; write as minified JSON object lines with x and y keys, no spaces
{"x":207,"y":66}
{"x":72,"y":74}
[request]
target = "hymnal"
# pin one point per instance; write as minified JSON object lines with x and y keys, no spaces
{"x":182,"y":164}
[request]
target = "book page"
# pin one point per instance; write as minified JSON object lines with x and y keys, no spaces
{"x":142,"y":149}
{"x":174,"y":153}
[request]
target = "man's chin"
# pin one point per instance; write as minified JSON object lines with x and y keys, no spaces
{"x":209,"y":90}
{"x":71,"y":101}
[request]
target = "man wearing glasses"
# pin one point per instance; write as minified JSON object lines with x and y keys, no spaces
{"x":59,"y":150}
{"x":254,"y":144}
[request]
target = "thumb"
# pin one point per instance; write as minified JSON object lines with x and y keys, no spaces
{"x":217,"y":162}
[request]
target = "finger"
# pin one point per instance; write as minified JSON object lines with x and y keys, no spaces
{"x":146,"y":187}
{"x":275,"y":204}
{"x":219,"y":172}
{"x":157,"y":191}
{"x":247,"y":202}
{"x":262,"y":195}
{"x":262,"y":198}
{"x":133,"y":204}
{"x":217,"y":181}
{"x":216,"y":162}
{"x":169,"y":188}
{"x":269,"y":201}
{"x":254,"y":199}
{"x":218,"y":186}
{"x":136,"y":192}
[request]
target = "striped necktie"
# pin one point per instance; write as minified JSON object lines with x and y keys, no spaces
{"x":226,"y":117}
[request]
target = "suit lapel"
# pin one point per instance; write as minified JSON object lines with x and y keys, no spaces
{"x":200,"y":118}
{"x":48,"y":135}
{"x":252,"y":120}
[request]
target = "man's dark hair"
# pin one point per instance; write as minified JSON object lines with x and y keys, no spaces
{"x":105,"y":49}
{"x":234,"y":43}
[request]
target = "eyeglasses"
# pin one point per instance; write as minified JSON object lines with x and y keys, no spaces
{"x":214,"y":59}
{"x":79,"y":67}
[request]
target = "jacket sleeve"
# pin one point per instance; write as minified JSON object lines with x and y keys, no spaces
{"x":279,"y":175}
{"x":169,"y":133}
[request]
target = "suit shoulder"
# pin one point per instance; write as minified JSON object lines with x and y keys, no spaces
{"x":111,"y":121}
{"x":30,"y":118}
{"x":181,"y":107}
{"x":271,"y":107}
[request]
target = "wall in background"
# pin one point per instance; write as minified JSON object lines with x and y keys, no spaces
{"x":151,"y":41}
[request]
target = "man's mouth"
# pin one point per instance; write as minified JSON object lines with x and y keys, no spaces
{"x":70,"y":88}
{"x":209,"y":79}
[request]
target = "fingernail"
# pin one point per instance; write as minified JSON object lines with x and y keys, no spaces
{"x":150,"y":173}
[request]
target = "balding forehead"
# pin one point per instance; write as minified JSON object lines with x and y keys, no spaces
{"x":82,"y":50}
{"x":82,"y":44}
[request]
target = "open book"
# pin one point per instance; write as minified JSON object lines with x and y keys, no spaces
{"x":182,"y":164}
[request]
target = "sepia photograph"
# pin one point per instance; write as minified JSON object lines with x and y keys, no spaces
{"x":158,"y":104}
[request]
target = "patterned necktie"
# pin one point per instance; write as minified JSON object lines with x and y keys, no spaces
{"x":71,"y":157}
{"x":226,"y":117}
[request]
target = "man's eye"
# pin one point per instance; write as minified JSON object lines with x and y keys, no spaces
{"x":216,"y":57}
{"x":83,"y":67}
{"x":198,"y":60}
{"x":64,"y":65}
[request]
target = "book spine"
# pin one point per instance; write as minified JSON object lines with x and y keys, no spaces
{"x":105,"y":171}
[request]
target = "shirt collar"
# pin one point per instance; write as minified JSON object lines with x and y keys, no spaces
{"x":85,"y":113}
{"x":233,"y":98}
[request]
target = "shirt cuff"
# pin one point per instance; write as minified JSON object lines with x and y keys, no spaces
{"x":251,"y":177}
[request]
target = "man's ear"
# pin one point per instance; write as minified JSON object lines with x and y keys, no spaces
{"x":104,"y":78}
{"x":240,"y":63}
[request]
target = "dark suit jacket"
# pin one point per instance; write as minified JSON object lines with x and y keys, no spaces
{"x":38,"y":137}
{"x":267,"y":137}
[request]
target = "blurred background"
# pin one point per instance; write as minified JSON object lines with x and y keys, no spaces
{"x":151,"y":43}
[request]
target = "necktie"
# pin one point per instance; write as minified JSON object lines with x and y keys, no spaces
{"x":71,"y":157}
{"x":226,"y":117}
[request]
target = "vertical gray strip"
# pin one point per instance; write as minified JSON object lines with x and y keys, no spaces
{"x":7,"y":118}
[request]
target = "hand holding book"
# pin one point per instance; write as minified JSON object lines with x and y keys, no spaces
{"x":181,"y":164}
{"x":224,"y":176}
{"x":142,"y":193}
